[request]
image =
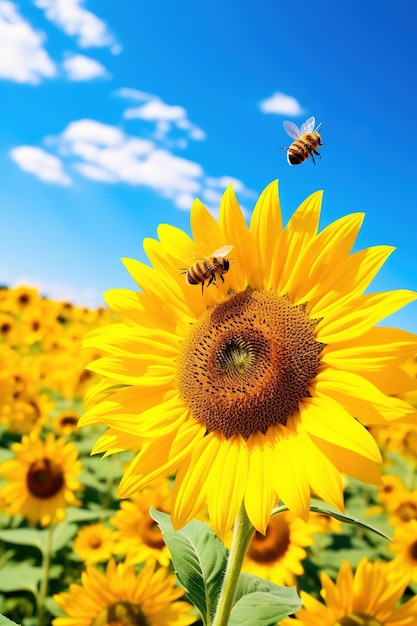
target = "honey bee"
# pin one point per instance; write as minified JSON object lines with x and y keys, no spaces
{"x":306,"y":141}
{"x":209,"y":268}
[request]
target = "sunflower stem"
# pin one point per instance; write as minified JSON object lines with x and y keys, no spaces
{"x":242,"y":534}
{"x":43,"y":590}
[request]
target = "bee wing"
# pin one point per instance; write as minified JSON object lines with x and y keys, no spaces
{"x":308,"y":125}
{"x":291,"y":129}
{"x":316,"y":130}
{"x":224,"y":251}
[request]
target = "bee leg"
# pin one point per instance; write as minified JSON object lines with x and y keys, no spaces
{"x":221,"y":277}
{"x":312,"y":156}
{"x":212,"y":280}
{"x":318,"y":153}
{"x":202,"y":287}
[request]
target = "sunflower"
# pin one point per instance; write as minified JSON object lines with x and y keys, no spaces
{"x":66,"y":422}
{"x":403,"y":508}
{"x":404,"y":545}
{"x":41,"y":479}
{"x":257,"y":387}
{"x":364,"y":599}
{"x":137,"y":535}
{"x":94,"y":543}
{"x":277,"y":555}
{"x":121,"y":597}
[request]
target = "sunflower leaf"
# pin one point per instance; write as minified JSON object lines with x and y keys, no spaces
{"x":4,"y":621}
{"x":324,"y":509}
{"x":199,"y":560}
{"x":26,"y":537}
{"x":262,"y":603}
{"x":18,"y":576}
{"x":348,"y":519}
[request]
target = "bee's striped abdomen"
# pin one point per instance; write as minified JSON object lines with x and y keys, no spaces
{"x":303,"y":147}
{"x":198,"y":272}
{"x":298,"y":152}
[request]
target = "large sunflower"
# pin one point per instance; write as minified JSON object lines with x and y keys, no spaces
{"x":254,"y":389}
{"x":119,"y":596}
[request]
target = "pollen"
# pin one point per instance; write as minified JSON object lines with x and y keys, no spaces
{"x":247,"y":362}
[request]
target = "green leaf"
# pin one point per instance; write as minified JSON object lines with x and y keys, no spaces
{"x":262,"y":603}
{"x":6,"y":622}
{"x":199,"y":560}
{"x":62,"y":536}
{"x":18,"y":576}
{"x":26,"y":537}
{"x":248,"y":583}
{"x":324,"y":509}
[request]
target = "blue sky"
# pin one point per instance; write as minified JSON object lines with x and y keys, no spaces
{"x":115,"y":115}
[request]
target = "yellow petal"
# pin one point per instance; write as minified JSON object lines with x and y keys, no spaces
{"x":361,"y":314}
{"x":290,"y":479}
{"x":347,"y":279}
{"x":326,"y":419}
{"x":266,"y":227}
{"x":228,"y":476}
{"x":259,"y":496}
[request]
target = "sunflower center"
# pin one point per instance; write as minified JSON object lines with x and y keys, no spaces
{"x":44,"y":479}
{"x":407,"y":511}
{"x":151,"y":535}
{"x":122,"y":613}
{"x":272,"y":546}
{"x":358,"y":619}
{"x":247,"y":363}
{"x":69,"y":420}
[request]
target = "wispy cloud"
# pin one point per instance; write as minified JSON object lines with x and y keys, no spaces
{"x":167,"y":117}
{"x":22,"y":56}
{"x":43,"y":165}
{"x":108,"y":154}
{"x":81,"y":68}
{"x":281,"y":104}
{"x":133,"y":94}
{"x":75,"y":20}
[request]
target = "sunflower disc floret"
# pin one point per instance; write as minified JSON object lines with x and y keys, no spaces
{"x":247,"y":363}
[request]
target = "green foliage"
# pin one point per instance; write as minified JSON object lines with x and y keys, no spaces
{"x":199,"y":560}
{"x":259,"y":602}
{"x":4,"y":621}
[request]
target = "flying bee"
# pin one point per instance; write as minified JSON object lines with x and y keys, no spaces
{"x":307,"y":140}
{"x":209,"y":268}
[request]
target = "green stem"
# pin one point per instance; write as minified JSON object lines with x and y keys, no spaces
{"x":43,"y":590}
{"x":242,"y":534}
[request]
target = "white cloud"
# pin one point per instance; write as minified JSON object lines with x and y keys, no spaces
{"x":224,"y":181}
{"x":82,"y":68}
{"x":77,"y":21}
{"x":156,"y":110}
{"x":109,"y":155}
{"x":184,"y":201}
{"x":94,"y":172}
{"x":22,"y":57}
{"x":43,"y":165}
{"x":281,"y":104}
{"x":133,"y":94}
{"x":167,"y":117}
{"x":92,"y":131}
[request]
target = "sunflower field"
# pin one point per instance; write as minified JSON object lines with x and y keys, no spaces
{"x":120,"y":502}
